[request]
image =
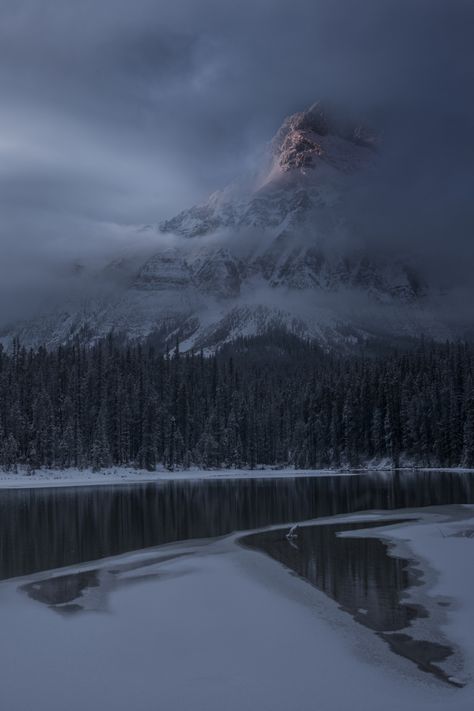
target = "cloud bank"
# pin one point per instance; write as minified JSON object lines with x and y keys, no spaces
{"x":120,"y":113}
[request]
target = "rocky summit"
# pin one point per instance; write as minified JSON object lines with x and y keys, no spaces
{"x":277,"y":250}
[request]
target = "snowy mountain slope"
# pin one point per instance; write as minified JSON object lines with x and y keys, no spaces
{"x":277,"y":251}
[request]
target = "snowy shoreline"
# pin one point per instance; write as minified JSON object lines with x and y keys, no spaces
{"x":213,"y":589}
{"x":48,"y":478}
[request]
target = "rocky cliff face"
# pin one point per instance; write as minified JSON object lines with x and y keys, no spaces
{"x":278,"y":251}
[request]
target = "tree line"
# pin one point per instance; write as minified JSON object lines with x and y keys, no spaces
{"x":267,"y":400}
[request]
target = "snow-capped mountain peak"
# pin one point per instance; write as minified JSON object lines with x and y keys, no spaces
{"x":313,"y":137}
{"x":279,"y":251}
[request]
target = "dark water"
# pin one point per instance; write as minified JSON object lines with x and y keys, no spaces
{"x":361,"y":576}
{"x":69,"y":594}
{"x":41,"y":529}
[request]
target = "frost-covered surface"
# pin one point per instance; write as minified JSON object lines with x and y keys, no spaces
{"x":446,"y":546}
{"x":210,"y":626}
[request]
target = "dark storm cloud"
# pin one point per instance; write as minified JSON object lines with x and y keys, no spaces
{"x":118,"y":113}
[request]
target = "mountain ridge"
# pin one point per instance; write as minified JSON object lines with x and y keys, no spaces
{"x":278,"y":252}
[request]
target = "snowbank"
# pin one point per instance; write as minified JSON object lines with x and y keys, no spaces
{"x":206,"y":627}
{"x":119,"y":475}
{"x":128,"y":475}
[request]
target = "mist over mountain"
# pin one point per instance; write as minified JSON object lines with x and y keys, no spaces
{"x":236,"y":355}
{"x":281,"y":248}
{"x":114,"y":119}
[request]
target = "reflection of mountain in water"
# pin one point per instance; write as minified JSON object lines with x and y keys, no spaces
{"x":367,"y":582}
{"x":42,"y":529}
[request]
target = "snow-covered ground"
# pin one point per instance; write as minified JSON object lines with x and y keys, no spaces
{"x":444,"y":546}
{"x":125,"y":475}
{"x":128,"y":475}
{"x":207,"y":626}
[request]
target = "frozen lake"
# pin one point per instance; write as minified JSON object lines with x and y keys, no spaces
{"x":188,"y":595}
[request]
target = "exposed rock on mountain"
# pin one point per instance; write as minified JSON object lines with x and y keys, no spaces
{"x":276,"y":251}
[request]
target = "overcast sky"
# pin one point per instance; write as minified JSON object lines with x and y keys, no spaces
{"x":120,"y":112}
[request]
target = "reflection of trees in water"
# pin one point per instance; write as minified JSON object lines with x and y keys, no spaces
{"x":360,"y":575}
{"x":355,"y":572}
{"x":48,"y":528}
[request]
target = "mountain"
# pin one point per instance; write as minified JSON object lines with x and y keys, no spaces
{"x":277,"y":250}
